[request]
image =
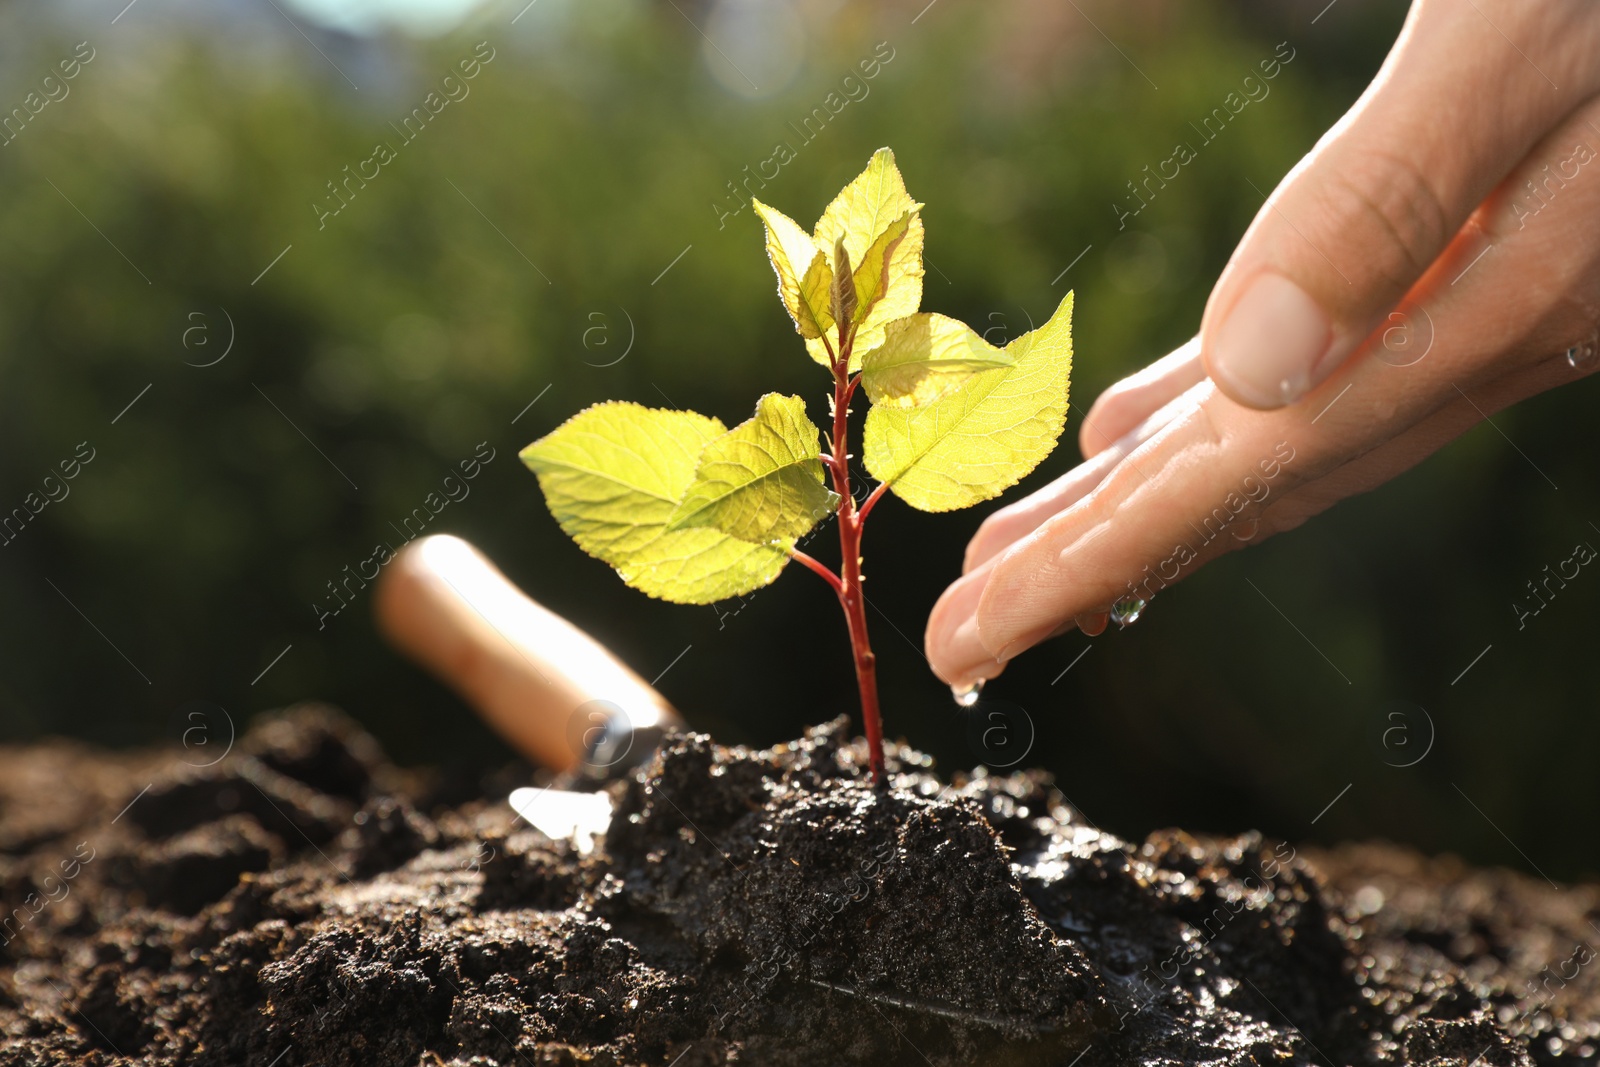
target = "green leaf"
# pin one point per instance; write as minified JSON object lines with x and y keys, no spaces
{"x":861,"y":214}
{"x":866,"y":207}
{"x":612,"y":476}
{"x":984,"y":436}
{"x":761,"y":481}
{"x":923,"y":357}
{"x":805,"y":279}
{"x":874,"y":273}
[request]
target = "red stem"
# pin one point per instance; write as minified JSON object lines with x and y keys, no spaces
{"x":847,"y":583}
{"x":849,"y":588}
{"x":872,"y":498}
{"x":828,"y":576}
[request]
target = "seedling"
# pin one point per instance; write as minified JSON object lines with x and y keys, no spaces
{"x":690,"y":511}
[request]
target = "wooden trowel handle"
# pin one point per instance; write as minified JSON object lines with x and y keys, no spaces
{"x":543,"y":684}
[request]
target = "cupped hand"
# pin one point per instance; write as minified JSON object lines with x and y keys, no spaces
{"x":1433,"y":260}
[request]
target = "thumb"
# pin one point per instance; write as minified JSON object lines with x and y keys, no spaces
{"x":1362,"y":217}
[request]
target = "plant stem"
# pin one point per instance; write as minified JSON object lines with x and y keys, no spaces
{"x":828,"y":576}
{"x":872,"y":499}
{"x":849,"y":587}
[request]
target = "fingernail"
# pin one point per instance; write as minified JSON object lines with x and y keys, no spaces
{"x":1271,"y":343}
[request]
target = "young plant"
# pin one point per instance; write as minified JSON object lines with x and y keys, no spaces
{"x":690,"y":511}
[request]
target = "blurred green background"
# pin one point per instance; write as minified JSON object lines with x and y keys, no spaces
{"x":515,"y":250}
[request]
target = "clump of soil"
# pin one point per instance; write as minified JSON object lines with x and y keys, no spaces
{"x":302,"y":901}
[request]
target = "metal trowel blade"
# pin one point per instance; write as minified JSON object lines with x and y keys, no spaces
{"x":564,"y":815}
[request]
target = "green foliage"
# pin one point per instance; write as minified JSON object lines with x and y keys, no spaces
{"x":689,"y":511}
{"x":614,"y":476}
{"x":805,"y":278}
{"x":881,"y":229}
{"x":922,"y":358}
{"x":762,"y":479}
{"x":979,"y":439}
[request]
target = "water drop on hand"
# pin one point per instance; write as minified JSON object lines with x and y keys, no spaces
{"x":1126,"y":611}
{"x":1583,"y":353}
{"x":967,"y":695}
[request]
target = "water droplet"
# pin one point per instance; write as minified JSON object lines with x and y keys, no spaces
{"x":1126,"y":611}
{"x":1292,"y":389}
{"x":967,"y":695}
{"x":1245,"y":529}
{"x":1582,"y":354}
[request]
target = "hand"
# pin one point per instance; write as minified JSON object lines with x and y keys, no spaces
{"x":1429,"y":263}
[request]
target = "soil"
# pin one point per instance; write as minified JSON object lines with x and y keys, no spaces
{"x":303,"y":901}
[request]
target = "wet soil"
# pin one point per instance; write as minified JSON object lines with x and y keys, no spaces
{"x":302,"y":901}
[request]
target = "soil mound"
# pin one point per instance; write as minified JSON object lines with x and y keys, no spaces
{"x":302,"y":901}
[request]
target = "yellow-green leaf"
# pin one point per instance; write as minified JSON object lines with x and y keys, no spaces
{"x":985,"y":435}
{"x":866,"y":207}
{"x":761,"y":481}
{"x":805,"y":278}
{"x":862,"y":213}
{"x":923,"y":357}
{"x":873,"y":273}
{"x":614,"y":473}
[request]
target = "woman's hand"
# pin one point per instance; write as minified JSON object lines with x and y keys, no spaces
{"x":1430,"y":262}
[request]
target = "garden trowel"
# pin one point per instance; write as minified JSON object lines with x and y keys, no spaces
{"x":552,"y":691}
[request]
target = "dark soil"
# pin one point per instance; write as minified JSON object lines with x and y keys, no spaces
{"x":304,"y":902}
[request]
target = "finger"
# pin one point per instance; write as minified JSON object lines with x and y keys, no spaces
{"x":1140,"y":530}
{"x":1135,"y":398}
{"x":1357,"y":222}
{"x":951,"y":641}
{"x":1163,"y":511}
{"x":963,"y":644}
{"x":1390,"y":459}
{"x":1093,"y":624}
{"x":959,"y":648}
{"x":1406,"y":450}
{"x":1015,"y":521}
{"x":1003,"y":527}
